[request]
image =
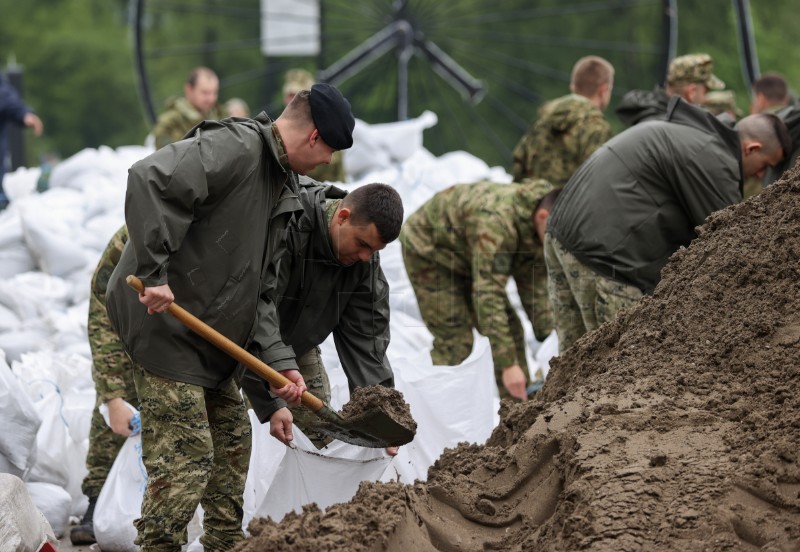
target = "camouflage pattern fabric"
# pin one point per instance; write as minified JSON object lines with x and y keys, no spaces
{"x":179,"y":118}
{"x":333,"y":172}
{"x":567,"y":131}
{"x":196,"y":449}
{"x":693,"y":68}
{"x":459,"y":250}
{"x":111,"y":370}
{"x":582,"y":300}
{"x":313,"y":372}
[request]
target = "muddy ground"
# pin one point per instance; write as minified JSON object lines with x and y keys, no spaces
{"x":676,"y":427}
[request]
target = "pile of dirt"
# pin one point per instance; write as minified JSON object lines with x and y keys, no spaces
{"x":675,"y":427}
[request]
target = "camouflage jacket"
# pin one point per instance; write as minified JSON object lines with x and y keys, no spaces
{"x":567,"y":131}
{"x":179,"y":118}
{"x":638,"y":106}
{"x":489,"y":231}
{"x":108,"y":373}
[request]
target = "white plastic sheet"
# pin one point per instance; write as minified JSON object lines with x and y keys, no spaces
{"x":20,"y":422}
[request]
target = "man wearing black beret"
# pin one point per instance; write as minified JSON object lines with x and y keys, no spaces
{"x":205,"y":215}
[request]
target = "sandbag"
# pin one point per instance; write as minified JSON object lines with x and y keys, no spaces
{"x":20,"y":422}
{"x":120,"y":500}
{"x":23,"y":528}
{"x":54,"y":502}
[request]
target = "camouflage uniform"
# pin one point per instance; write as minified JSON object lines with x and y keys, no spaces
{"x":111,"y":371}
{"x":639,"y":106}
{"x":568,"y":130}
{"x":459,"y":250}
{"x":582,"y":300}
{"x":179,"y":118}
{"x":333,"y":172}
{"x":212,"y":474}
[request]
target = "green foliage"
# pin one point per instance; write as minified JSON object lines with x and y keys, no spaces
{"x":80,"y":75}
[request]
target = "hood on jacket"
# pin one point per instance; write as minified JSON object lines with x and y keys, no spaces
{"x":639,"y":105}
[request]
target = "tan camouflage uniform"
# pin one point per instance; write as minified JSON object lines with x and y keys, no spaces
{"x":582,"y":300}
{"x":111,"y":370}
{"x":567,"y":131}
{"x":459,"y":250}
{"x":179,"y":118}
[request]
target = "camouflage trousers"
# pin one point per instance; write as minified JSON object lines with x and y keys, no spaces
{"x":444,"y":297}
{"x":104,"y":445}
{"x":313,"y":372}
{"x":582,"y":300}
{"x":196,"y":448}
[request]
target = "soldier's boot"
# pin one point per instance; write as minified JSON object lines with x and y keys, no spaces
{"x":83,"y":533}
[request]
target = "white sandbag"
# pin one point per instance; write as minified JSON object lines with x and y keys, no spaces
{"x":324,"y":477}
{"x":265,"y":458}
{"x":32,"y":295}
{"x":54,"y":502}
{"x":52,"y":438}
{"x":50,"y":231}
{"x":21,"y":183}
{"x":452,"y":404}
{"x":23,"y":528}
{"x":15,"y":259}
{"x":547,"y":350}
{"x":20,"y":422}
{"x":120,"y":500}
{"x":8,"y":319}
{"x":18,"y":343}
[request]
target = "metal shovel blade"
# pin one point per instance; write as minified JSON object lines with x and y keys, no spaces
{"x":373,"y":428}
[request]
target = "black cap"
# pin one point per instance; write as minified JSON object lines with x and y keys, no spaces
{"x":332,"y":116}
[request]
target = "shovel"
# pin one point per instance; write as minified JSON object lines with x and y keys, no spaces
{"x":374,"y":428}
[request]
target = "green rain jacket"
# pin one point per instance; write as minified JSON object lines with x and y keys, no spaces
{"x":313,"y":295}
{"x":205,"y":215}
{"x":640,"y":196}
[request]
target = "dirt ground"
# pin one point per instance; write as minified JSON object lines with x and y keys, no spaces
{"x":676,"y":427}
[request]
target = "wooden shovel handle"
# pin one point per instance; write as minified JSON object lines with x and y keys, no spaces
{"x":211,"y":335}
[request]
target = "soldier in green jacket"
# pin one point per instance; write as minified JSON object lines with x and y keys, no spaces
{"x":569,"y":128}
{"x":771,"y":95}
{"x":690,"y":77}
{"x":112,"y":373}
{"x":638,"y":199}
{"x":329,"y":280}
{"x":198,"y":103}
{"x":205,"y":216}
{"x":459,"y":249}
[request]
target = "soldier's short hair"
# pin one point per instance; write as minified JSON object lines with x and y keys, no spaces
{"x":379,"y":204}
{"x":195,"y":73}
{"x":773,"y":87}
{"x":589,"y":73}
{"x":299,"y":109}
{"x":766,"y":128}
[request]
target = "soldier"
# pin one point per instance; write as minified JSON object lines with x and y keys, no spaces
{"x":13,"y":110}
{"x":205,"y":216}
{"x":329,"y":280}
{"x":113,"y":380}
{"x":639,"y":199}
{"x":690,"y":77}
{"x":569,"y":128}
{"x":198,"y":103}
{"x":459,"y":250}
{"x":237,"y":107}
{"x":771,"y":95}
{"x":722,"y":103}
{"x":300,"y":79}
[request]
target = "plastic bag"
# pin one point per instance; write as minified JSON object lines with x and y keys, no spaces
{"x":120,"y":500}
{"x":20,"y":421}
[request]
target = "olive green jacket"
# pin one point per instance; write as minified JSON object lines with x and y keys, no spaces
{"x":205,"y":215}
{"x":313,"y":295}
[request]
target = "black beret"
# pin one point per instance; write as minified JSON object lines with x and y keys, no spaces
{"x":332,"y":116}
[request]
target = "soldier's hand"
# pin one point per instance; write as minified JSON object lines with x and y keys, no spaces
{"x":157,"y":299}
{"x":514,"y":381}
{"x":120,"y":416}
{"x":392,"y":451}
{"x":280,"y":425}
{"x":292,"y":392}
